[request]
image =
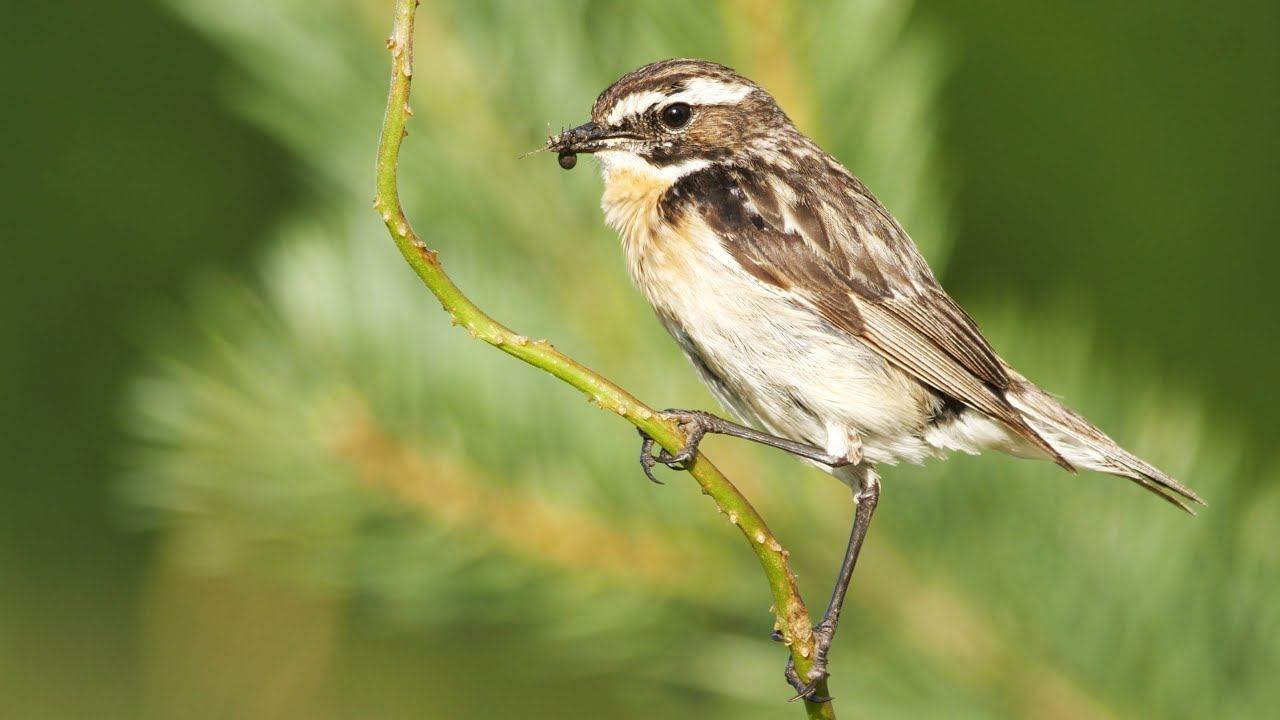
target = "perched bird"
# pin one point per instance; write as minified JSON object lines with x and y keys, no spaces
{"x":803,"y":304}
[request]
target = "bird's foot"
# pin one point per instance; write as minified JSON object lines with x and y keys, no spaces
{"x":806,"y":688}
{"x":695,"y":424}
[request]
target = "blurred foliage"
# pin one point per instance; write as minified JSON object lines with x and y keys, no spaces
{"x":362,"y":512}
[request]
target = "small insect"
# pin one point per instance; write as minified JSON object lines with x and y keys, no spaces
{"x":568,"y":159}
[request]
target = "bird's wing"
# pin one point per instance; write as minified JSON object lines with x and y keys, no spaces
{"x":837,"y":250}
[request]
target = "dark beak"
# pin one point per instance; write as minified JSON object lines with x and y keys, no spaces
{"x":586,"y":138}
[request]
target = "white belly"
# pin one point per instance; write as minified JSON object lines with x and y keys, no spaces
{"x":772,"y":362}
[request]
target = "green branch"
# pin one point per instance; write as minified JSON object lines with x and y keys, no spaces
{"x":792,"y":616}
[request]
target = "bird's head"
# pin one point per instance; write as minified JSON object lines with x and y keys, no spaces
{"x":674,"y":117}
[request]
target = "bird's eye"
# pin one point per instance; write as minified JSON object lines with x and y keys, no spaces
{"x":676,"y":115}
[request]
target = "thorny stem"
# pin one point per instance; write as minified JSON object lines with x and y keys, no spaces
{"x":792,"y":616}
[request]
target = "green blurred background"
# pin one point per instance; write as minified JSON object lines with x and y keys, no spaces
{"x":250,"y":471}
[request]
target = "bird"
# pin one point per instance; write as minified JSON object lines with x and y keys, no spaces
{"x":804,"y":305}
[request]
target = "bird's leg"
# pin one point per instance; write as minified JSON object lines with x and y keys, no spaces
{"x":696,"y":424}
{"x":867,"y":497}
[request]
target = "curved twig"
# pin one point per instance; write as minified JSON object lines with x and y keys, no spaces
{"x":792,"y":616}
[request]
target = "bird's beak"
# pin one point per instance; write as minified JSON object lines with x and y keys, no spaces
{"x":587,"y":138}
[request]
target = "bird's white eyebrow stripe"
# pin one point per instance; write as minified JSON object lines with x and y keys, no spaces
{"x":698,"y":91}
{"x":634,"y":104}
{"x":704,"y":91}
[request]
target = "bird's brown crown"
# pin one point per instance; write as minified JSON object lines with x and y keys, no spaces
{"x":678,"y":110}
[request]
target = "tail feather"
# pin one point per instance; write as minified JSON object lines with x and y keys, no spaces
{"x":1084,"y":445}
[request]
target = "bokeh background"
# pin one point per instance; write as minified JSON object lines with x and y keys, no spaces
{"x":250,"y":471}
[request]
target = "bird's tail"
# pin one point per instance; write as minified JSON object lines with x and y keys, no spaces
{"x":1083,"y":445}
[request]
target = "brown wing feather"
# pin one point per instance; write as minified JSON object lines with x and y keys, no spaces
{"x":842,"y":254}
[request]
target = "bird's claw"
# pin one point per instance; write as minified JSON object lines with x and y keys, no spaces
{"x":647,"y":459}
{"x":822,"y":634}
{"x":694,"y":429}
{"x":805,"y":691}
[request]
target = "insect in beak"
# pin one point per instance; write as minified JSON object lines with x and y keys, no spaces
{"x":586,"y":138}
